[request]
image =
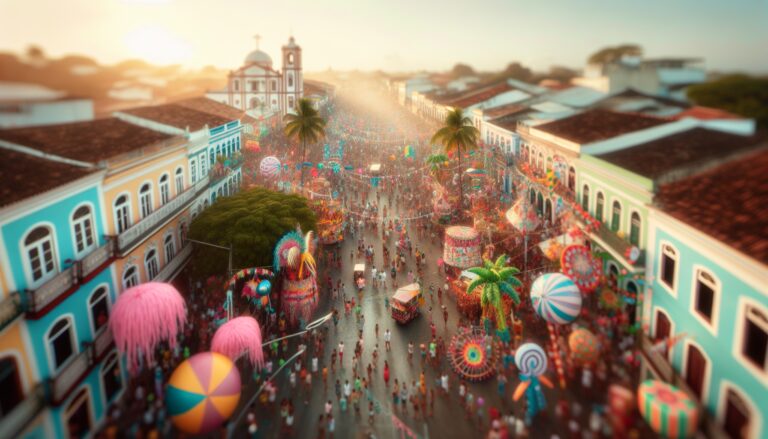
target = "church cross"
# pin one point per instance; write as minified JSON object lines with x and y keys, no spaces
{"x":257,"y":37}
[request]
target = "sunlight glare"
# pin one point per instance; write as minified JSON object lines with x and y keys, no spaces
{"x":157,"y":45}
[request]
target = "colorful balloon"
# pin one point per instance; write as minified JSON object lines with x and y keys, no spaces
{"x":556,"y":298}
{"x":585,"y":348}
{"x":531,"y":359}
{"x":269,"y":167}
{"x":264,"y":287}
{"x":203,"y":392}
{"x":578,"y":263}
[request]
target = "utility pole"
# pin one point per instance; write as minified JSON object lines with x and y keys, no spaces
{"x":229,"y":249}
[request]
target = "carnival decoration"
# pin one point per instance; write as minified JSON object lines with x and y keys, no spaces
{"x":293,"y":257}
{"x":584,"y":346}
{"x":531,"y":361}
{"x":202,"y":393}
{"x":668,"y":410}
{"x":556,"y":298}
{"x":609,"y":300}
{"x":522,"y":215}
{"x":409,"y":152}
{"x":270,"y":167}
{"x":144,"y":316}
{"x":257,"y":280}
{"x":264,"y":287}
{"x":496,"y":279}
{"x":462,"y":247}
{"x":239,"y":336}
{"x":578,"y":264}
{"x":473,"y":356}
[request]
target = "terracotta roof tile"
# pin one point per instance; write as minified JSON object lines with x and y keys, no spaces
{"x":178,"y":116}
{"x":25,"y":176}
{"x":90,"y":141}
{"x":729,"y":203}
{"x":594,"y":125}
{"x":211,"y":107}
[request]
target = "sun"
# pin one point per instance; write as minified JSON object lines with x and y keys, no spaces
{"x":157,"y":45}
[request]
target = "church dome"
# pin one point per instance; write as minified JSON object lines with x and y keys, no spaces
{"x":258,"y":57}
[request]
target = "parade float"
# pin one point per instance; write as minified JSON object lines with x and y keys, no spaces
{"x":293,"y":259}
{"x":468,"y":304}
{"x":462,"y":247}
{"x":405,"y":303}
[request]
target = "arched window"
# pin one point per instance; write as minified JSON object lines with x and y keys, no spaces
{"x":145,"y":200}
{"x":599,"y":206}
{"x":572,"y":179}
{"x":290,"y":80}
{"x":61,"y":342}
{"x":10,"y":382}
{"x":130,"y":277}
{"x":290,"y":101}
{"x":111,"y":379}
{"x":540,"y":161}
{"x":616,"y":216}
{"x":179,"y":180}
{"x":99,"y":306}
{"x":193,"y":170}
{"x":532,"y":194}
{"x":82,"y":224}
{"x":254,"y":103}
{"x":170,"y":248}
{"x":40,"y":253}
{"x":668,"y":266}
{"x":738,"y":416}
{"x":549,"y":163}
{"x":165,"y":189}
{"x":585,"y":198}
{"x":236,"y":85}
{"x":150,"y":263}
{"x":634,"y":229}
{"x":78,"y":415}
{"x":122,"y":212}
{"x":696,"y":365}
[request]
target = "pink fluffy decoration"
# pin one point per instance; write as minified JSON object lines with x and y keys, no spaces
{"x":145,"y":315}
{"x":237,"y":336}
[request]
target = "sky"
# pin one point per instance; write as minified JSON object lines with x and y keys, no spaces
{"x":391,"y":35}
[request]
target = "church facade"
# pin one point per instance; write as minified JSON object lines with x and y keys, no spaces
{"x":259,"y":89}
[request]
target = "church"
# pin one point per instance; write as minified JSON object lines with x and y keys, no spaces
{"x":259,"y":89}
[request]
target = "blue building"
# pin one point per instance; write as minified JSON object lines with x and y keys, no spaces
{"x":707,"y":285}
{"x":58,"y":287}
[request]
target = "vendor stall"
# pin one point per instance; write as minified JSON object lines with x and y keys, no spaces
{"x":462,"y":247}
{"x":405,"y":303}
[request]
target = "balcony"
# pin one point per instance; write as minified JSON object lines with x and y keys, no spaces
{"x":11,"y":424}
{"x":615,"y":245}
{"x":80,"y":366}
{"x":171,"y":269}
{"x":96,"y":258}
{"x":149,"y":225}
{"x":10,"y":308}
{"x":566,"y":193}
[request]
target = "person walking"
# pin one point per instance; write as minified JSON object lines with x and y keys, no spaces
{"x":387,"y":339}
{"x":386,"y":373}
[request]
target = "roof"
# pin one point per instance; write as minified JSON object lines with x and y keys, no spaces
{"x":11,"y":91}
{"x":89,"y":141}
{"x":727,"y":203}
{"x":407,"y":293}
{"x":212,"y":107}
{"x":593,"y":125}
{"x":475,"y":96}
{"x":21,"y":175}
{"x":509,"y":122}
{"x":576,"y":96}
{"x":685,"y":149}
{"x":503,"y":110}
{"x":631,"y":93}
{"x":178,"y":116}
{"x":706,"y":113}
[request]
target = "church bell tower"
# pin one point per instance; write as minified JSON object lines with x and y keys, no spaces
{"x":293,"y":80}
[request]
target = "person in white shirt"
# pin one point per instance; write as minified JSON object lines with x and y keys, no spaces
{"x":314,"y":364}
{"x":387,"y":339}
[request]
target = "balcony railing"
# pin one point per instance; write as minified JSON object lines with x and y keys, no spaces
{"x":96,"y":258}
{"x":79,"y":367}
{"x":51,"y":290}
{"x":10,"y":308}
{"x":147,"y":225}
{"x":11,"y":424}
{"x":609,"y":238}
{"x":178,"y":260}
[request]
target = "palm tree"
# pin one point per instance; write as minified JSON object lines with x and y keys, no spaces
{"x":306,"y":125}
{"x":496,"y":279}
{"x":435,"y":161}
{"x":457,"y":135}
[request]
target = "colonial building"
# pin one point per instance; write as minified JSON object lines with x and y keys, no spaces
{"x":259,"y":89}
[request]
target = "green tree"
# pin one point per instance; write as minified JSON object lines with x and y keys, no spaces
{"x":515,"y":70}
{"x":252,"y":222}
{"x":457,"y":135}
{"x":496,"y":279}
{"x":611,"y":54}
{"x":740,"y":94}
{"x":461,"y":69}
{"x":435,"y":162}
{"x":306,"y":125}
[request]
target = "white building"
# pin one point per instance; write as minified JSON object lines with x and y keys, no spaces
{"x":23,"y":104}
{"x":259,"y":89}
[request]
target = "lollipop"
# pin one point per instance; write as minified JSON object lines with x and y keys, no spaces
{"x":531,"y":359}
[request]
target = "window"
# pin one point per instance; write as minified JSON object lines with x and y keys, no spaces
{"x":705,"y":287}
{"x":634,"y":229}
{"x":110,"y":376}
{"x":572,"y":179}
{"x":193,"y":170}
{"x":99,"y":306}
{"x":212,"y":155}
{"x":696,"y":370}
{"x":736,"y":421}
{"x":170,"y":248}
{"x":616,"y":216}
{"x":290,"y":58}
{"x":145,"y":200}
{"x":150,"y":262}
{"x":254,"y":86}
{"x":78,"y":415}
{"x":273,"y":85}
{"x":38,"y":247}
{"x":10,"y":382}
{"x":82,"y":222}
{"x":165,"y":189}
{"x":754,"y":344}
{"x":122,"y":213}
{"x":290,"y":80}
{"x":668,"y":266}
{"x":585,"y":198}
{"x":663,"y":331}
{"x":130,"y":277}
{"x":179,"y":181}
{"x":236,"y":85}
{"x":254,"y":103}
{"x":599,"y":204}
{"x":290,"y":101}
{"x":61,"y":342}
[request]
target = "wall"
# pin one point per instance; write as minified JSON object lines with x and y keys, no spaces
{"x":45,"y":113}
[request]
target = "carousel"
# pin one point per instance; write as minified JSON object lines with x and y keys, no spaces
{"x":462,"y":247}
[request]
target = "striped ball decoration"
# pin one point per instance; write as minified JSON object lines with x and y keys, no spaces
{"x":556,"y":298}
{"x":668,"y":410}
{"x":531,"y":359}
